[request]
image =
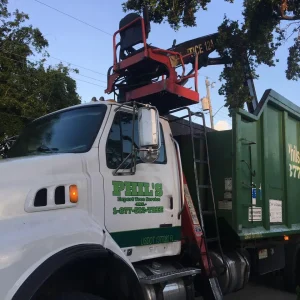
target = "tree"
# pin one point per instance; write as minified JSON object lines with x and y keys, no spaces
{"x":28,"y":89}
{"x":266,"y":25}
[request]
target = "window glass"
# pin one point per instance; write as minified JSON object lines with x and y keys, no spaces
{"x":119,"y":142}
{"x":71,"y":131}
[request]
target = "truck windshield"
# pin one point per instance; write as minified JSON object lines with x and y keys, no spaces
{"x":71,"y":131}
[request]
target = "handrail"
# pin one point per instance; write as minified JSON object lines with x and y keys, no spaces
{"x":172,"y":53}
{"x":196,"y":72}
{"x":180,"y":175}
{"x":193,"y":73}
{"x":122,"y":29}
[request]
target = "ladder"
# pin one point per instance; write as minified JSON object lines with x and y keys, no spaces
{"x":205,"y":242}
{"x":207,"y":212}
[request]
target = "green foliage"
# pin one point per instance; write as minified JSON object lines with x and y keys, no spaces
{"x":264,"y":28}
{"x":28,"y":89}
{"x":293,"y":70}
{"x":175,"y":12}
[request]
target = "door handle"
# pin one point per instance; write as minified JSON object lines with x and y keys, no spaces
{"x":171,"y":202}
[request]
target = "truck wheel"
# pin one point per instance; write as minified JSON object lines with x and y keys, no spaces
{"x":78,"y":296}
{"x":291,"y":272}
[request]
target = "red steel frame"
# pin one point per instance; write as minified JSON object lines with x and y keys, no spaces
{"x":171,"y":84}
{"x":163,"y":85}
{"x":191,"y":230}
{"x":115,"y":67}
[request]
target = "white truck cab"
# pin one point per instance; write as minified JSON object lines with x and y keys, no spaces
{"x":78,"y":219}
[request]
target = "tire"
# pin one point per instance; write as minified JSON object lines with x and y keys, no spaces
{"x":78,"y":296}
{"x":291,"y":272}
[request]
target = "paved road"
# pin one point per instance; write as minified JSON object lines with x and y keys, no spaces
{"x":259,"y":292}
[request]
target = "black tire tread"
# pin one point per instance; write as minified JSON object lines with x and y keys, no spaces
{"x":291,"y":271}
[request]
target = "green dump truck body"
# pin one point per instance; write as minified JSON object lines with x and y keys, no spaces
{"x":256,"y":171}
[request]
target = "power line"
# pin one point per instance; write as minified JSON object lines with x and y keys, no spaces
{"x":223,"y":114}
{"x":59,"y":60}
{"x":90,"y":83}
{"x":218,"y":110}
{"x":78,"y":65}
{"x":51,"y":65}
{"x":68,"y":62}
{"x":89,"y":77}
{"x":72,"y":17}
{"x":74,"y":72}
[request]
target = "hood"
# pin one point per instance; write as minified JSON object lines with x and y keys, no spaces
{"x":41,"y":165}
{"x":20,"y":176}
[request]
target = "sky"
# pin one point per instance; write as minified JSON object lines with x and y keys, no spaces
{"x":90,"y":49}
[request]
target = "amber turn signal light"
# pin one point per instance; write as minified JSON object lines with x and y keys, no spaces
{"x":73,"y":193}
{"x":286,"y":237}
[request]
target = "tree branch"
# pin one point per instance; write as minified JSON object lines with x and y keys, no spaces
{"x":6,"y":92}
{"x":289,"y":18}
{"x":283,"y":9}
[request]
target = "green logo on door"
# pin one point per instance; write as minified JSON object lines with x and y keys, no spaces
{"x":138,"y":195}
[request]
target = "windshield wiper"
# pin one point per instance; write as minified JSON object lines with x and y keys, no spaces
{"x":44,"y":148}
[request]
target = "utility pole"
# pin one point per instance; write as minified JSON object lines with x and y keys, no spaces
{"x":208,"y":85}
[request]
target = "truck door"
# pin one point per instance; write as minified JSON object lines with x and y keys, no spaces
{"x":140,"y":209}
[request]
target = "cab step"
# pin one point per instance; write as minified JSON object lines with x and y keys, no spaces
{"x":153,"y":279}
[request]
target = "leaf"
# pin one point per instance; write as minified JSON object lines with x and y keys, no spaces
{"x":27,"y":89}
{"x":255,"y":40}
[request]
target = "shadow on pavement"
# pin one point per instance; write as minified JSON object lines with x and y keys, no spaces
{"x":267,"y":287}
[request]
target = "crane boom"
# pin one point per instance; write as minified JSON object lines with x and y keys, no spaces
{"x":203,"y":46}
{"x":148,"y":74}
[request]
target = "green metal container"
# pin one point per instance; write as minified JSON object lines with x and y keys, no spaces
{"x":256,"y":171}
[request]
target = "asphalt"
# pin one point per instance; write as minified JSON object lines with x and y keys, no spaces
{"x":255,"y":291}
{"x":259,"y":292}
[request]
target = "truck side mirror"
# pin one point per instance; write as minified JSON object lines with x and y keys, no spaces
{"x":149,"y":134}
